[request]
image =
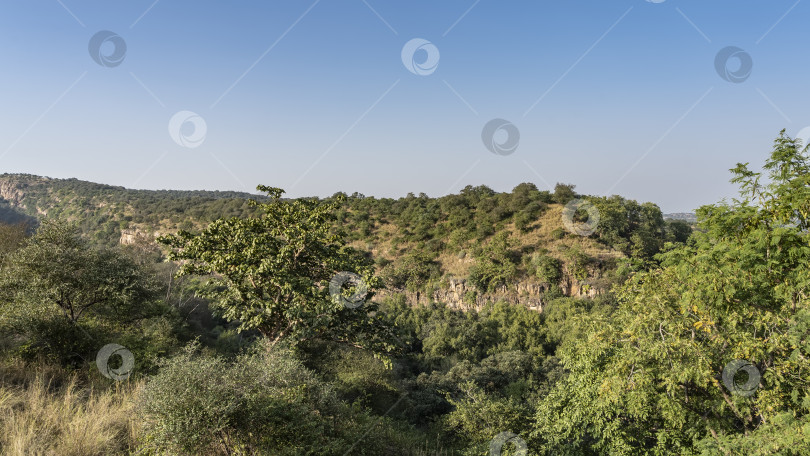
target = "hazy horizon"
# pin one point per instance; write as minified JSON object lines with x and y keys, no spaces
{"x":651,"y":100}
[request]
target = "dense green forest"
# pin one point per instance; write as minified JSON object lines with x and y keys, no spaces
{"x":146,"y":323}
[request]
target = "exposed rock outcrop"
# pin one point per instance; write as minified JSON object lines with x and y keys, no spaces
{"x":462,"y":295}
{"x":129,"y":237}
{"x":11,"y":193}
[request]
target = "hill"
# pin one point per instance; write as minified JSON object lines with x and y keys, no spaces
{"x":111,"y":213}
{"x":254,"y":328}
{"x":689,"y":217}
{"x":463,"y":249}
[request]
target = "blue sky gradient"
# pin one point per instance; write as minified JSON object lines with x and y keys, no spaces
{"x":618,"y":97}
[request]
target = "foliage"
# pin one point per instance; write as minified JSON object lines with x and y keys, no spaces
{"x":547,"y":268}
{"x":264,"y":402}
{"x":483,"y":416}
{"x":57,"y":268}
{"x":11,"y":238}
{"x":678,"y":230}
{"x":578,"y":262}
{"x":411,"y":271}
{"x":496,"y":265}
{"x":638,"y":369}
{"x":62,"y":298}
{"x":638,"y":230}
{"x":564,"y":193}
{"x":648,"y":380}
{"x":272,"y":273}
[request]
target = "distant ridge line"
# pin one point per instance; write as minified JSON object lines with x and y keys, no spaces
{"x":685,"y":216}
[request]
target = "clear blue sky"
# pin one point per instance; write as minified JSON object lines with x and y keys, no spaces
{"x":617,"y":97}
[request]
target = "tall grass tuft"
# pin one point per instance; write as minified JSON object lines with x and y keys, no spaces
{"x":44,"y":412}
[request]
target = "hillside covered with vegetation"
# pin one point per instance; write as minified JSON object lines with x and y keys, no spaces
{"x":480,"y":323}
{"x":490,"y":240}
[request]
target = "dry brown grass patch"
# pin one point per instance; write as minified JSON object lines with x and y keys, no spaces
{"x":53,"y":414}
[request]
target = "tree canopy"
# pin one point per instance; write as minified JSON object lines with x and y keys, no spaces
{"x":271,"y":273}
{"x":650,"y":379}
{"x":57,"y":268}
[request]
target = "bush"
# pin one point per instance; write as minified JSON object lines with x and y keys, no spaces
{"x":558,"y":233}
{"x":678,"y":230}
{"x":547,"y":269}
{"x":577,"y":262}
{"x":263,"y":402}
{"x":563,"y":193}
{"x":203,"y":403}
{"x":496,"y":265}
{"x":523,"y":221}
{"x":412,"y":271}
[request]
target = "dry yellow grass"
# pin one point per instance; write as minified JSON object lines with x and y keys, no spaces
{"x":48,"y":415}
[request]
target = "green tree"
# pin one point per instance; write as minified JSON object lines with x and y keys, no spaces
{"x":58,"y":269}
{"x":60,"y":298}
{"x":636,"y":229}
{"x":271,"y":273}
{"x":523,"y":220}
{"x":11,"y":238}
{"x":522,"y":195}
{"x":480,"y":417}
{"x":649,"y":380}
{"x":563,"y":193}
{"x":547,"y":268}
{"x":411,"y":271}
{"x":678,"y":231}
{"x":496,"y":266}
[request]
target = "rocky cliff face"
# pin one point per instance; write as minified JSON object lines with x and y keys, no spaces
{"x":462,"y":295}
{"x":11,"y":193}
{"x":129,"y":237}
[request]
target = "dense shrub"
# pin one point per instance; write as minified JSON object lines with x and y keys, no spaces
{"x":496,"y":265}
{"x":547,"y":268}
{"x":264,"y":401}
